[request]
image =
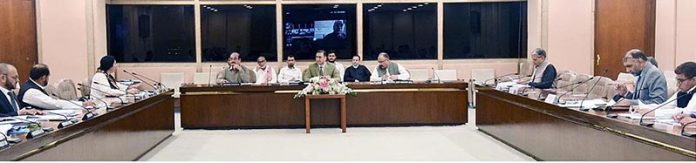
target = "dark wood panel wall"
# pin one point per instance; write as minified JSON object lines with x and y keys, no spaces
{"x":18,"y":45}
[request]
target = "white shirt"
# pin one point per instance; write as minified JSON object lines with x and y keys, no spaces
{"x":341,"y":69}
{"x":671,"y":108}
{"x":5,"y":92}
{"x":289,"y":74}
{"x":403,"y":74}
{"x":261,"y":75}
{"x":39,"y":99}
{"x":102,"y":89}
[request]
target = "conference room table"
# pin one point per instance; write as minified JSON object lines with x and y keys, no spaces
{"x":551,"y":132}
{"x":124,"y":133}
{"x":273,"y":106}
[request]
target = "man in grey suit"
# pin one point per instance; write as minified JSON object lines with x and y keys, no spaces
{"x":650,"y":86}
{"x":236,"y":73}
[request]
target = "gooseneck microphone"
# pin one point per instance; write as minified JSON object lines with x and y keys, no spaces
{"x":88,"y":115}
{"x":660,"y":106}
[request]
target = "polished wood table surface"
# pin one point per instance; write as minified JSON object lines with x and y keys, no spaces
{"x":254,"y":106}
{"x":124,"y":133}
{"x":550,"y":132}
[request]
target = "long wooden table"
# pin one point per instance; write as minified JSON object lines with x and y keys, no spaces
{"x":125,"y":133}
{"x":248,"y":106}
{"x":550,"y":132}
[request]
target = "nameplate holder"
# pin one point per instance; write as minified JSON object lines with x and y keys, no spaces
{"x":65,"y":124}
{"x":88,"y":116}
{"x":551,"y":99}
{"x":35,"y":133}
{"x":3,"y":142}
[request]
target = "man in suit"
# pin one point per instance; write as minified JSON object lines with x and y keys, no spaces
{"x":236,"y":73}
{"x":650,"y":86}
{"x":544,"y":73}
{"x":9,"y":106}
{"x":357,"y":72}
{"x":321,"y":68}
{"x":32,"y":93}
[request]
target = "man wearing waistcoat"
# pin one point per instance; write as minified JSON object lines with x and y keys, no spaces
{"x":387,"y":70}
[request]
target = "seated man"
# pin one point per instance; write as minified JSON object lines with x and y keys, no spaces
{"x":388,"y":71}
{"x":265,"y":74}
{"x":650,"y":86}
{"x":290,"y":73}
{"x":321,"y":68}
{"x":9,"y":106}
{"x":331,"y":58}
{"x":236,"y":73}
{"x":32,"y":93}
{"x":544,"y":73}
{"x":357,"y":72}
{"x":685,"y":103}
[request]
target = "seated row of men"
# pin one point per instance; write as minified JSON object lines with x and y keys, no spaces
{"x":650,"y":87}
{"x":237,"y":73}
{"x":32,"y":97}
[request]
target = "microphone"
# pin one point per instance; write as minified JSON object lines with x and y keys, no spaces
{"x":210,"y":74}
{"x":88,"y":115}
{"x":32,"y":132}
{"x":435,"y":75}
{"x":576,"y":86}
{"x":133,"y":75}
{"x":495,"y":79}
{"x":660,"y":106}
{"x":590,"y":91}
{"x":610,"y":108}
{"x":688,"y":134}
{"x":145,"y":77}
{"x":122,"y":102}
{"x":106,"y":104}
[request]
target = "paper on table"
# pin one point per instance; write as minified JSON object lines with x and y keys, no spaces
{"x":8,"y":120}
{"x":635,"y":116}
{"x":4,"y":128}
{"x":63,"y":112}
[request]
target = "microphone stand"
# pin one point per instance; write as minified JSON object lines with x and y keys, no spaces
{"x":660,"y":106}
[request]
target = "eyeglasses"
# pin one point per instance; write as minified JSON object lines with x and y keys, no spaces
{"x":681,"y":80}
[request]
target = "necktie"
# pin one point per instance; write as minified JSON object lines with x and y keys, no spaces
{"x":638,"y":86}
{"x":321,"y":70}
{"x":13,"y":100}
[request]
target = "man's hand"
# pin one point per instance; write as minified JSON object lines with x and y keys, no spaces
{"x":394,"y":77}
{"x":621,"y":89}
{"x":88,"y":103}
{"x":30,"y":112}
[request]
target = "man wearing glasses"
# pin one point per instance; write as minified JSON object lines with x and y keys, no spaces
{"x":685,"y":105}
{"x":265,"y":74}
{"x":9,"y":105}
{"x":235,"y":73}
{"x":650,"y":86}
{"x":388,"y":71}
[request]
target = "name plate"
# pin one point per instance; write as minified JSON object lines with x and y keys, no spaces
{"x":551,"y":99}
{"x":35,"y":133}
{"x":4,"y":143}
{"x":65,"y":124}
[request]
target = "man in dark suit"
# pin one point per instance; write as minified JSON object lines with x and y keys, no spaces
{"x":9,"y":106}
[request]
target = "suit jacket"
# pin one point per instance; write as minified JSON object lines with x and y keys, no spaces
{"x":6,"y":106}
{"x":651,"y":86}
{"x":547,"y":78}
{"x":313,"y":71}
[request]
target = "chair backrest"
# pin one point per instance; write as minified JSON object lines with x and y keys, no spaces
{"x":420,"y":74}
{"x":584,"y":87}
{"x":204,"y":78}
{"x":84,"y":88}
{"x":525,"y":69}
{"x":172,"y":81}
{"x":671,"y":79}
{"x":625,"y":78}
{"x":483,"y":75}
{"x":600,"y":90}
{"x":447,"y":75}
{"x":565,"y":80}
{"x":65,"y":89}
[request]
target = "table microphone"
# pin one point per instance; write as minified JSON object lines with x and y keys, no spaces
{"x":145,"y":77}
{"x":660,"y":106}
{"x":32,"y":133}
{"x":688,"y":134}
{"x":88,"y":115}
{"x":590,"y":91}
{"x":133,"y":75}
{"x":435,"y":75}
{"x":576,"y":86}
{"x":210,"y":74}
{"x":495,"y":79}
{"x":122,"y":102}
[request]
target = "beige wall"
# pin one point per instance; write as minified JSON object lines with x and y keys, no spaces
{"x":73,"y":33}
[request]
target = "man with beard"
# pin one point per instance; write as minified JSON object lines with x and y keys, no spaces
{"x":9,"y":106}
{"x":32,"y":94}
{"x":332,"y":59}
{"x":650,"y":86}
{"x":290,"y":73}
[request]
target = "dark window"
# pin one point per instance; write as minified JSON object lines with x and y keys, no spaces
{"x":403,"y":30}
{"x":485,"y":30}
{"x":247,"y":29}
{"x":308,"y":28}
{"x":151,"y":33}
